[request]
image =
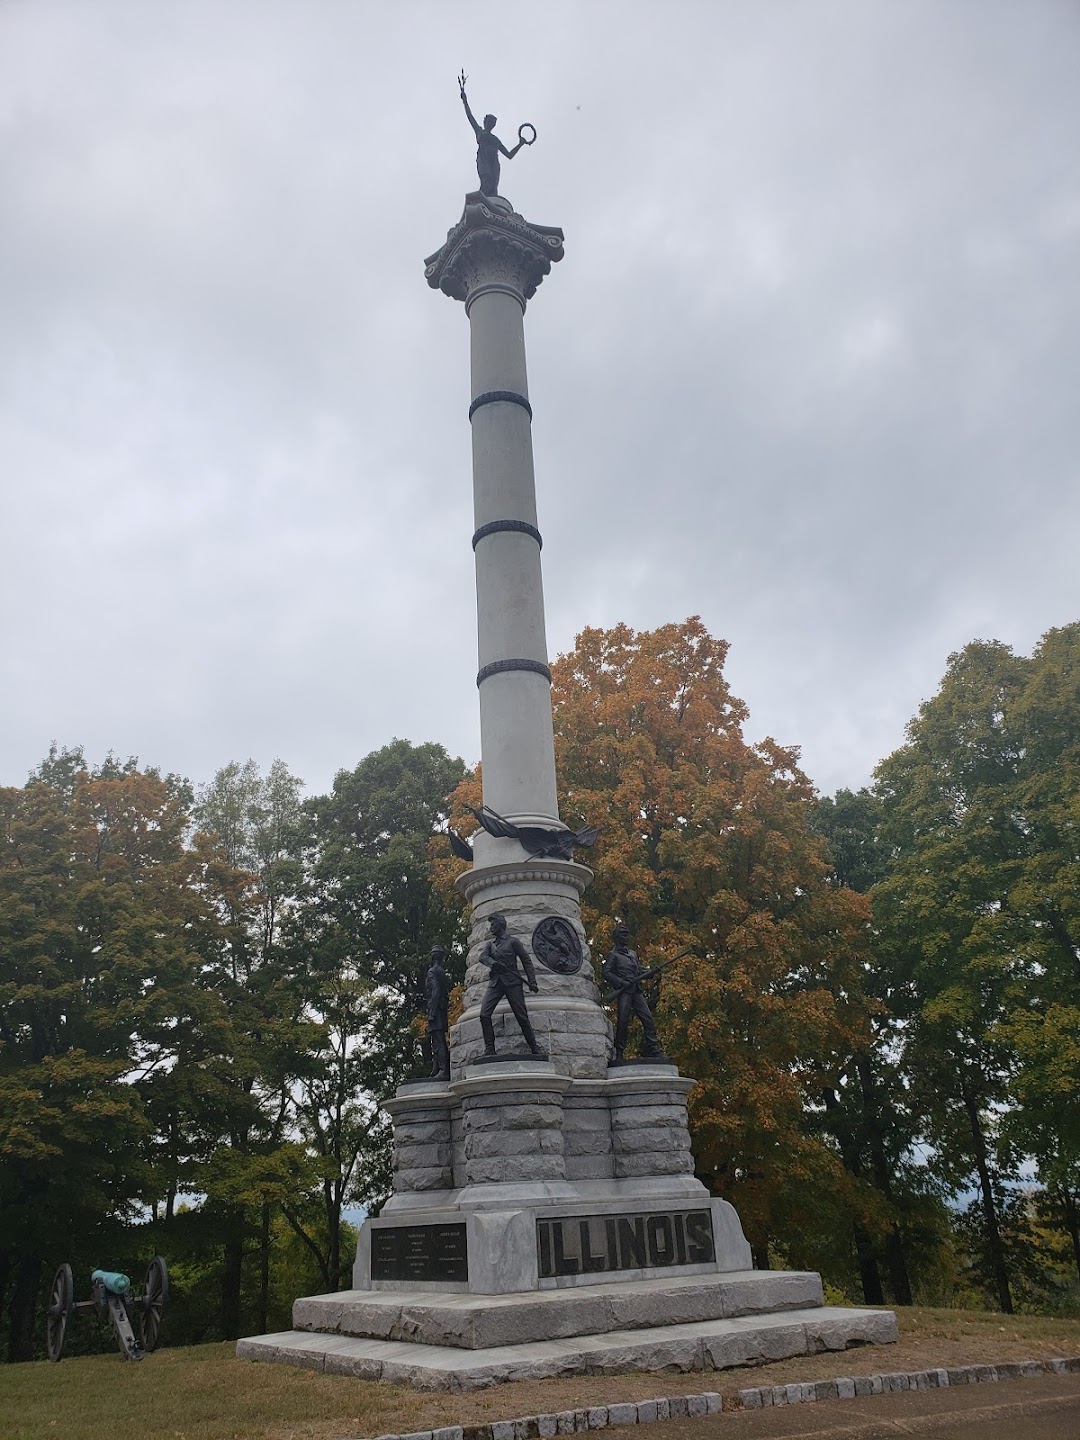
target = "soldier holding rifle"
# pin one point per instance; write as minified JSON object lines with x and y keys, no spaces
{"x":623,"y":973}
{"x":501,"y":955}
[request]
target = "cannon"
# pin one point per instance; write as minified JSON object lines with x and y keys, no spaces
{"x":111,"y":1295}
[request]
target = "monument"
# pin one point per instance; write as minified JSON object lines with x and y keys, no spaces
{"x":546,"y":1219}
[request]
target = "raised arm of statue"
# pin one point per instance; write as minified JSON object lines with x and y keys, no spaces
{"x":478,"y":130}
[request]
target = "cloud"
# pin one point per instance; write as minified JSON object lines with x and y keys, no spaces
{"x":808,"y":368}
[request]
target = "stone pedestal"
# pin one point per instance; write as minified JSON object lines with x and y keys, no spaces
{"x":597,"y":1175}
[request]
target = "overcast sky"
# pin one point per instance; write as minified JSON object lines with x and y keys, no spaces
{"x":810,"y":368}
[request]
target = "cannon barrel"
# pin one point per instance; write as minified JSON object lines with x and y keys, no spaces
{"x":115,"y":1282}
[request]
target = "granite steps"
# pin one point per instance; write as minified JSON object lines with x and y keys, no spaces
{"x":703,"y":1345}
{"x":477,"y":1322}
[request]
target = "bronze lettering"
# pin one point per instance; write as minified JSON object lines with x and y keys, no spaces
{"x":543,"y":1230}
{"x":564,"y":1264}
{"x":590,"y":1263}
{"x":700,"y":1237}
{"x":593,"y":1244}
{"x":658,"y":1229}
{"x":632,"y":1254}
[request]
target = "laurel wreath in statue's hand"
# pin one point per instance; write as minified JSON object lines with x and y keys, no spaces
{"x":525,"y":139}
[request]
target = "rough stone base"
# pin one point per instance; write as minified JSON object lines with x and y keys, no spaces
{"x":475,"y":1322}
{"x":705,"y":1345}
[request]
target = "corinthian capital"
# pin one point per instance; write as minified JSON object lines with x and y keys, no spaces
{"x":493,"y":248}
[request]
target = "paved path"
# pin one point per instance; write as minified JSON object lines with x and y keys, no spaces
{"x":1047,"y":1408}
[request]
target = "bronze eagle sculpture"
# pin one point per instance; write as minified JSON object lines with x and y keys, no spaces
{"x":541,"y":843}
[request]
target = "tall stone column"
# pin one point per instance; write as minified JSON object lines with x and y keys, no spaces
{"x":493,"y":261}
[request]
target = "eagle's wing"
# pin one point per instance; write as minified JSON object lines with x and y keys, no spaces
{"x":495,"y":824}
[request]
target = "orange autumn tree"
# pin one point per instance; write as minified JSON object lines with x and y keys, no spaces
{"x":706,"y":842}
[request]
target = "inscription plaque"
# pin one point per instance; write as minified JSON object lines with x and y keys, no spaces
{"x":589,"y":1244}
{"x":419,"y":1252}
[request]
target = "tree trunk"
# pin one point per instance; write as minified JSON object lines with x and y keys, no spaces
{"x":264,"y":1271}
{"x":174,"y":1167}
{"x":301,"y":1233}
{"x":759,"y":1249}
{"x":895,"y":1260}
{"x":332,"y":1202}
{"x":1072,"y":1223}
{"x":869,"y":1275}
{"x":899,"y":1280}
{"x":230,"y":1281}
{"x":22,"y":1312}
{"x":993,"y":1234}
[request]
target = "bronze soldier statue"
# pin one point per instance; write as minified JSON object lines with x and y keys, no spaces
{"x":437,"y":996}
{"x":623,"y":973}
{"x":501,"y":955}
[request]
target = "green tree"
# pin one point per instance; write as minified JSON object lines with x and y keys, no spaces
{"x":94,"y":915}
{"x":363,"y":931}
{"x":956,"y":919}
{"x":227,"y":1092}
{"x":868,"y":1111}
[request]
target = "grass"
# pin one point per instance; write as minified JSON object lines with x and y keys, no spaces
{"x":204,"y":1393}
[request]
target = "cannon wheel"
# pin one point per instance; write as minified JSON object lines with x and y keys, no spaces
{"x":61,"y":1300}
{"x":152,"y":1302}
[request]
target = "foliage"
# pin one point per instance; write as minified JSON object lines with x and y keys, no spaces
{"x":364,"y":928}
{"x":95,"y":920}
{"x":200,"y":1004}
{"x":978,"y":919}
{"x":706,"y":842}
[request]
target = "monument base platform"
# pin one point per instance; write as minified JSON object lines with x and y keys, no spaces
{"x":684,"y":1323}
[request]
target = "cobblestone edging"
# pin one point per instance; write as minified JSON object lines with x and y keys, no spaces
{"x":644,"y":1412}
{"x":846,"y":1388}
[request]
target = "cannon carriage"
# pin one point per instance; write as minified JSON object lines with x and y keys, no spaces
{"x":111,"y":1297}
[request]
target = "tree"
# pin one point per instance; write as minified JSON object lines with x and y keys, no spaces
{"x":368,"y":917}
{"x":1042,"y":921}
{"x":979,"y":918}
{"x":868,"y":1112}
{"x":229,"y":1083}
{"x":93,"y":923}
{"x":706,"y":841}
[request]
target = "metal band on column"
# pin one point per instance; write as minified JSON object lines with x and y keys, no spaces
{"x":490,"y":396}
{"x":499,"y":667}
{"x":518,"y":527}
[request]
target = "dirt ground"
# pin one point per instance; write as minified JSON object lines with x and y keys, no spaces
{"x":1044,"y":1409}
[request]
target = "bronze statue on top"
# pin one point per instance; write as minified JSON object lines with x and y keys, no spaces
{"x":488,"y":145}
